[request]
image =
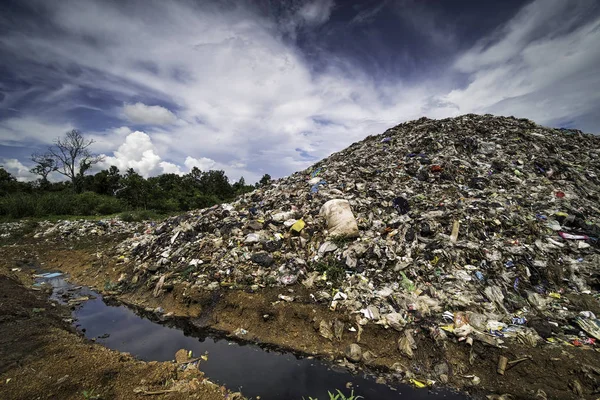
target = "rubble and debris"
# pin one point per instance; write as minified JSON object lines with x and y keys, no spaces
{"x":354,"y":352}
{"x":502,"y":363}
{"x":76,"y":229}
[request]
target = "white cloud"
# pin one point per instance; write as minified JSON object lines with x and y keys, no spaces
{"x":547,"y":77}
{"x":17,"y":169}
{"x":123,"y":131}
{"x":246,"y":99}
{"x":203,"y":163}
{"x":136,"y":152}
{"x":170,"y":168}
{"x":151,"y":115}
{"x":316,"y":12}
{"x":30,"y":130}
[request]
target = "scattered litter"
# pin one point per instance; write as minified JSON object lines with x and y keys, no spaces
{"x":49,"y":275}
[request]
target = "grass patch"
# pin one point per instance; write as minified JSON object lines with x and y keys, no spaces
{"x":139,"y":216}
{"x":340,"y":241}
{"x":188,"y":272}
{"x":334,"y":269}
{"x":338,"y":395}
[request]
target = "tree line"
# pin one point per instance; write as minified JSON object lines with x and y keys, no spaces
{"x":108,"y":191}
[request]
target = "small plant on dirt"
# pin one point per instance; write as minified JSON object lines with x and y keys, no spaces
{"x":407,"y":284}
{"x":188,"y":272}
{"x":90,"y":395}
{"x":333,"y":269}
{"x":338,"y":396}
{"x":340,"y":241}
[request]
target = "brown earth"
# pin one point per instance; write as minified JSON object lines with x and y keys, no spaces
{"x":294,"y":326}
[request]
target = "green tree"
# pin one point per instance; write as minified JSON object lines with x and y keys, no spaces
{"x":8,"y":183}
{"x":216,"y":183}
{"x":44,"y":165}
{"x":240,"y":187}
{"x":265,"y":180}
{"x":168,"y":193}
{"x":105,"y":182}
{"x":135,"y":189}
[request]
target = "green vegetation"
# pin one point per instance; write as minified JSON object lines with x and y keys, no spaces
{"x":109,"y":191}
{"x":340,"y":241}
{"x":89,"y":394}
{"x":339,"y":396}
{"x":334,"y":269}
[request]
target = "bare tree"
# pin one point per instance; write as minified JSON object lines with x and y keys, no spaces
{"x":44,"y":166}
{"x":72,"y":157}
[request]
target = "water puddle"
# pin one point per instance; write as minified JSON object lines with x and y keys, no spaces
{"x":249,"y":368}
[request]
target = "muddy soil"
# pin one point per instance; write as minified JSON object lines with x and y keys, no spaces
{"x":42,"y":357}
{"x":554,"y":371}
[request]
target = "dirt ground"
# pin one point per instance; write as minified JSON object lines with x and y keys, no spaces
{"x":554,"y":371}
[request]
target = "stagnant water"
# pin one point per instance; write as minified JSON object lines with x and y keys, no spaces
{"x":249,"y":368}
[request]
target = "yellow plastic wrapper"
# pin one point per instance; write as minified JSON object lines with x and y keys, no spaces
{"x":418,"y":384}
{"x":298,"y":226}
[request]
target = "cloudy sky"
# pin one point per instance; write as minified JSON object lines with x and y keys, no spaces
{"x":270,"y":86}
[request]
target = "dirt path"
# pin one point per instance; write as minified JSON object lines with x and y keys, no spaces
{"x":41,"y":357}
{"x":554,"y":371}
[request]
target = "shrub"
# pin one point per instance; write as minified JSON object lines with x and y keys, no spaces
{"x":127,"y":216}
{"x":137,"y":216}
{"x":59,"y":203}
{"x":19,"y":205}
{"x":110,"y":205}
{"x":204,"y":201}
{"x":86,"y":203}
{"x":144,"y":215}
{"x":168,"y":205}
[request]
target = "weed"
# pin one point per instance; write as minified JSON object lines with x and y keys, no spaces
{"x":338,"y":396}
{"x":90,"y":395}
{"x":407,"y":284}
{"x":333,"y":269}
{"x":340,"y":241}
{"x":187,"y":272}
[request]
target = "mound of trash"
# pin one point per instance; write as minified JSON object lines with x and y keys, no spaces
{"x":78,"y":229}
{"x":73,"y":229}
{"x":480,"y":226}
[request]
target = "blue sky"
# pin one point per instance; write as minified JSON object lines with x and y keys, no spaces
{"x":265,"y":86}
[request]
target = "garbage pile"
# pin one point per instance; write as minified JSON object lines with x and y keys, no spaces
{"x":7,"y":229}
{"x":76,"y":229}
{"x":479,"y":226}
